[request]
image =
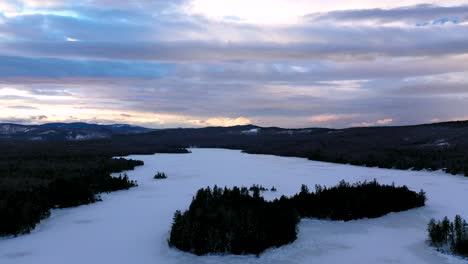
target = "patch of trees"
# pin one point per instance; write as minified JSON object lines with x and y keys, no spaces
{"x":160,"y":175}
{"x":449,"y":236}
{"x":232,"y":220}
{"x":238,"y":221}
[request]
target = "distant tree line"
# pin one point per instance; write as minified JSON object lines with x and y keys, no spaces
{"x":452,"y":160}
{"x":241,"y":222}
{"x":449,"y":236}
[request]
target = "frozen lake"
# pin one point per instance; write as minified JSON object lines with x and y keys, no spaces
{"x":132,"y":226}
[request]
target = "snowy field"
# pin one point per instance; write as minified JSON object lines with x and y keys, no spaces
{"x":132,"y":226}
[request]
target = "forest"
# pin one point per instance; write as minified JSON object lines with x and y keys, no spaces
{"x":38,"y":176}
{"x":239,"y":221}
{"x":30,"y":188}
{"x":448,"y":236}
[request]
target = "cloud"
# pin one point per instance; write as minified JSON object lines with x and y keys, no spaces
{"x":6,"y":6}
{"x":11,"y":66}
{"x":23,"y":120}
{"x":139,"y":36}
{"x":384,"y":121}
{"x":330,"y":117}
{"x":15,"y":120}
{"x":431,"y":89}
{"x":374,"y":43}
{"x":222,"y":121}
{"x":381,"y":122}
{"x":408,"y":14}
{"x":22,"y":107}
{"x":39,"y":117}
{"x":41,"y":3}
{"x":287,"y":11}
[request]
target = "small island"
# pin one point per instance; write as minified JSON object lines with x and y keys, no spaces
{"x":239,"y":221}
{"x":160,"y":175}
{"x":257,"y":188}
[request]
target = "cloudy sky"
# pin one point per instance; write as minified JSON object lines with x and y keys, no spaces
{"x":187,"y":63}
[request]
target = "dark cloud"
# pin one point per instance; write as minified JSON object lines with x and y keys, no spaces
{"x":433,"y":89}
{"x":22,"y":107}
{"x":15,"y":120}
{"x":371,"y":45}
{"x":48,"y":67}
{"x":39,"y":117}
{"x":66,"y":73}
{"x":27,"y":120}
{"x":413,"y":14}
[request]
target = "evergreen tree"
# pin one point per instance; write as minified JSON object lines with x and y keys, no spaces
{"x":445,"y":234}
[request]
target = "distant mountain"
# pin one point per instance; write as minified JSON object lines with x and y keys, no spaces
{"x":66,"y":131}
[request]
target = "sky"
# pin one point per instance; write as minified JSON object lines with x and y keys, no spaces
{"x":194,"y":63}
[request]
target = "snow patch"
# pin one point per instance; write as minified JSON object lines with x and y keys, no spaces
{"x":48,"y":132}
{"x":251,"y":131}
{"x":13,"y":129}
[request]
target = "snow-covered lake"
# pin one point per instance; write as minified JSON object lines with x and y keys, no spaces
{"x":132,"y":226}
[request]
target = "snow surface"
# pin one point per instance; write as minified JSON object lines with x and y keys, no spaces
{"x":133,"y":226}
{"x":251,"y":131}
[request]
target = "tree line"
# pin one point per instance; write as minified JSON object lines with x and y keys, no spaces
{"x":452,"y":160}
{"x":239,"y":221}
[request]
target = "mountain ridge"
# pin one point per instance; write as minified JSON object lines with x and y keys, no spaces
{"x":89,"y":131}
{"x":66,"y":131}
